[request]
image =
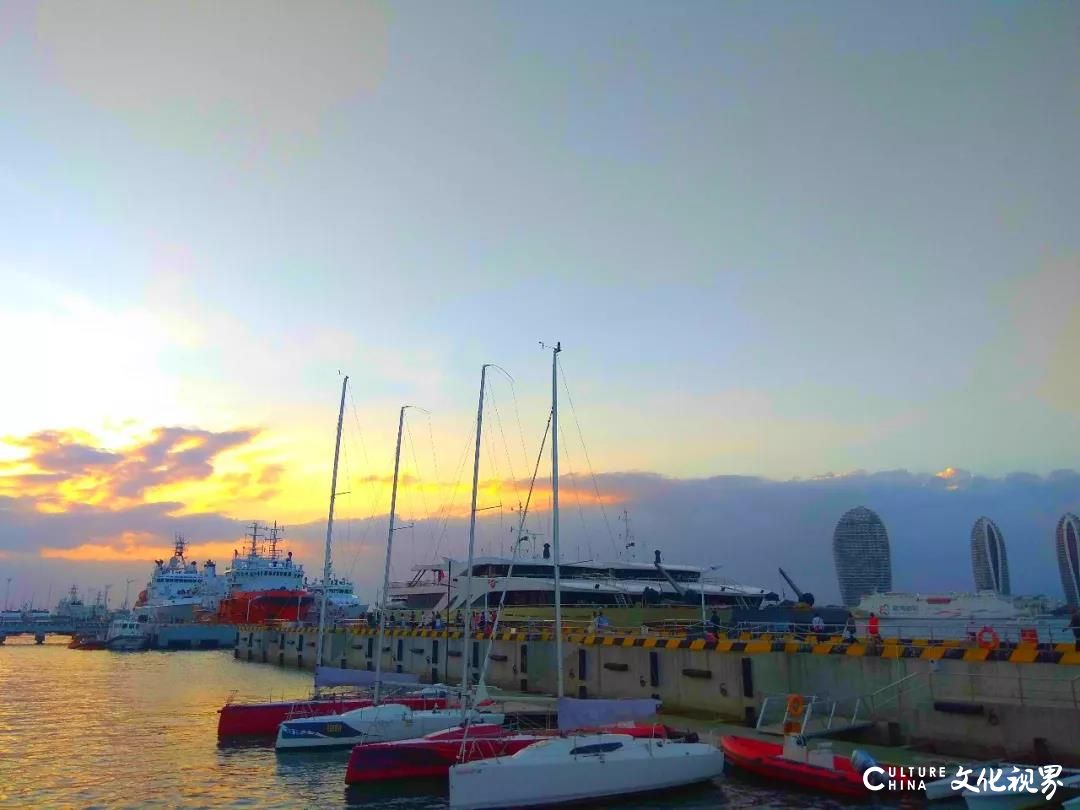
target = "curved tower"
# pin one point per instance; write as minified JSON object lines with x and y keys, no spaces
{"x":988,"y":559}
{"x":1067,"y":541}
{"x":861,"y":552}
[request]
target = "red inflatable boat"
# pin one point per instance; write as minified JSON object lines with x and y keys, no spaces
{"x":764,"y":759}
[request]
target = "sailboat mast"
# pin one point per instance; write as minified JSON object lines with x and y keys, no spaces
{"x":330,"y":530}
{"x":466,"y":678}
{"x":386,"y":569}
{"x":555,"y":512}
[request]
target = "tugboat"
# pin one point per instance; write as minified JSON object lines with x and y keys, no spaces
{"x":128,"y":634}
{"x":264,"y":586}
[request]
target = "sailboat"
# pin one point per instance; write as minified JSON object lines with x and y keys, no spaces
{"x":262,"y":719}
{"x":384,"y":721}
{"x":580,"y":768}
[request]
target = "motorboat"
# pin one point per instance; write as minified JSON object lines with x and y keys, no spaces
{"x":379,"y":723}
{"x":582,"y":768}
{"x":791,"y":763}
{"x":430,"y":757}
{"x":127,"y":634}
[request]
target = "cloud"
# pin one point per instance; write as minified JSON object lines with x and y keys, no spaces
{"x":211,"y":65}
{"x":62,"y":469}
{"x":137,"y":547}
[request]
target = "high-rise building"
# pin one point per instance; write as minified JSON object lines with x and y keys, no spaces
{"x":988,"y":559}
{"x":1067,"y":541}
{"x":861,"y":552}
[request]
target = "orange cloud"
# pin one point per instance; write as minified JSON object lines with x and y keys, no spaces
{"x":60,"y":469}
{"x":142,"y":547}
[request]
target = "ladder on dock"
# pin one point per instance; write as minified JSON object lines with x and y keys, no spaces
{"x":823,"y":715}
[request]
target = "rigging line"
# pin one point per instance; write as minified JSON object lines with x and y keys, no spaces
{"x":576,"y":489}
{"x":517,"y":416}
{"x":364,"y":536}
{"x":453,"y":497}
{"x":588,"y":461}
{"x":373,"y":482}
{"x":431,"y":439}
{"x":419,"y":480}
{"x":506,"y":445}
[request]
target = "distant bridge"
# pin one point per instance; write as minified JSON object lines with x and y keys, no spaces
{"x":56,"y":625}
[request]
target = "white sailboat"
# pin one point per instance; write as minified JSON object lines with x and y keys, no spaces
{"x":382,"y":722}
{"x":583,"y":767}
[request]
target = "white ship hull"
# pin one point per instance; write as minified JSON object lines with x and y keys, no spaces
{"x":551,"y":773}
{"x":979,"y":607}
{"x":383,"y":723}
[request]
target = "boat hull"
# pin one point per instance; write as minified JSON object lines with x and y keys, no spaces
{"x":432,"y":756}
{"x":537,"y":777}
{"x":382,"y":723}
{"x":257,"y":607}
{"x":264,"y":719}
{"x":764,"y":759}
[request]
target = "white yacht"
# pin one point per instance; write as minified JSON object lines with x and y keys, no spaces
{"x":342,"y":602}
{"x":590,"y":584}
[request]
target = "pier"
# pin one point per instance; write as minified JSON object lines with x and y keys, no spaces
{"x":1015,"y":701}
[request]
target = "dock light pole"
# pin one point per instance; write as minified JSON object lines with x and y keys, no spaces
{"x":7,"y":593}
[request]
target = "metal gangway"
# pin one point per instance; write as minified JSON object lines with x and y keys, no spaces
{"x":822,"y":715}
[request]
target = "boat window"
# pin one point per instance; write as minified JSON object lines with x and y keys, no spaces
{"x":596,"y":748}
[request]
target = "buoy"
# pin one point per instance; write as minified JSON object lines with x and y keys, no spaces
{"x":795,"y":706}
{"x":988,"y":638}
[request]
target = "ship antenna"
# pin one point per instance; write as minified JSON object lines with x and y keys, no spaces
{"x":254,"y":537}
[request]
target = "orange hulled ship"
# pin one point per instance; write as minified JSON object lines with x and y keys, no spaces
{"x":263,"y":585}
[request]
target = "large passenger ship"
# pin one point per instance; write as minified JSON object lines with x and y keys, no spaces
{"x":981,"y":606}
{"x":587,"y":587}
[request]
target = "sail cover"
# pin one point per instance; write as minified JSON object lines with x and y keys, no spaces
{"x":575,"y":713}
{"x":336,"y":676}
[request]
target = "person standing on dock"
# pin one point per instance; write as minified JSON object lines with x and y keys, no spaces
{"x":849,"y":630}
{"x":1074,"y":625}
{"x":873,"y":627}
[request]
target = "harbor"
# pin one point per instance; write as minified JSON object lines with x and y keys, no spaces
{"x":509,"y":406}
{"x":959,"y":700}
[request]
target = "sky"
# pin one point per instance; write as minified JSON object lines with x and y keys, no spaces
{"x":799,"y":256}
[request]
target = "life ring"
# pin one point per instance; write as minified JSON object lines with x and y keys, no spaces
{"x":795,"y":706}
{"x":988,"y":638}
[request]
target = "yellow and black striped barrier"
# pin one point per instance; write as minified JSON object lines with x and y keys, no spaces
{"x":746,"y":643}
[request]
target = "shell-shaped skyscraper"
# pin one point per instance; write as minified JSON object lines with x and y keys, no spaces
{"x":1067,"y":542}
{"x":861,"y":553}
{"x":989,"y":562}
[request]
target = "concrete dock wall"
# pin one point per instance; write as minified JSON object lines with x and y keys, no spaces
{"x":977,"y":708}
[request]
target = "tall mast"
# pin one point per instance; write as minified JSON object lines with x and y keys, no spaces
{"x":329,"y":529}
{"x":386,"y":569}
{"x":555,"y":511}
{"x":466,"y":677}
